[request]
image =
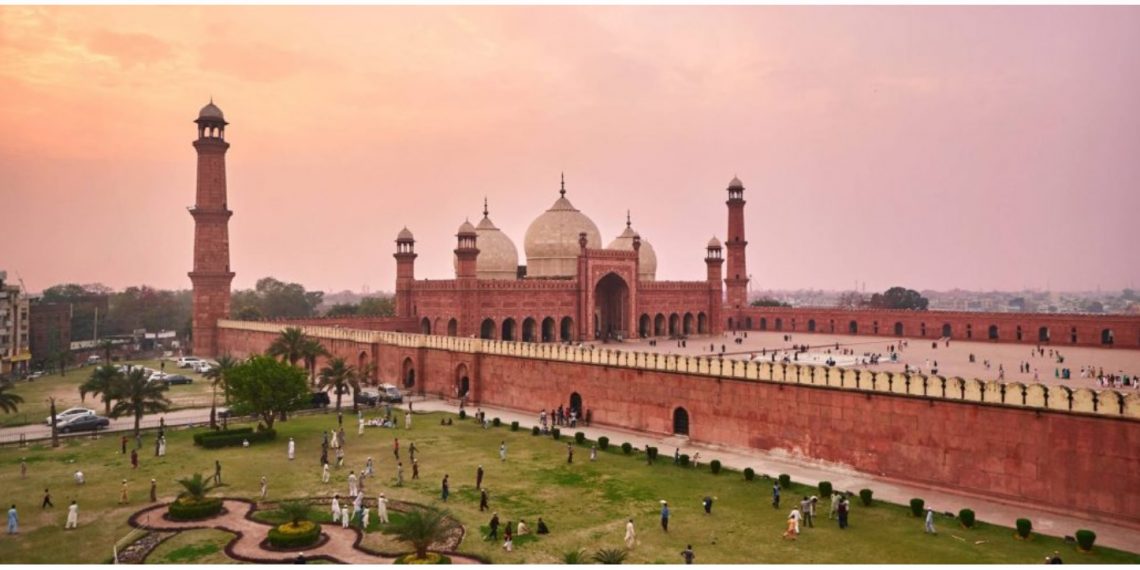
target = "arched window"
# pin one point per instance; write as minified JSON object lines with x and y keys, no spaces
{"x":811,"y":325}
{"x":425,"y":326}
{"x":452,"y":327}
{"x":508,"y":329}
{"x":993,"y":332}
{"x":487,"y":329}
{"x":680,"y":422}
{"x":898,"y":329}
{"x":853,"y":327}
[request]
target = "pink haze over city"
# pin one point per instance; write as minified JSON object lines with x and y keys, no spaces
{"x":931,"y":147}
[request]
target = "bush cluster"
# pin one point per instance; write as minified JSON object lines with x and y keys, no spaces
{"x":825,"y":489}
{"x":514,"y":426}
{"x":579,"y":438}
{"x":1085,"y":539}
{"x":651,"y":453}
{"x":749,"y":473}
{"x":556,"y":433}
{"x":462,"y":414}
{"x":496,"y":422}
{"x":967,"y":517}
{"x":684,"y":460}
{"x":626,"y":448}
{"x":714,"y":465}
{"x":198,"y":437}
{"x":190,"y":510}
{"x":1024,"y":527}
{"x":535,"y":430}
{"x":916,"y":506}
{"x":785,"y":480}
{"x":236,"y":439}
{"x":289,"y":536}
{"x":603,"y":443}
{"x":865,"y":495}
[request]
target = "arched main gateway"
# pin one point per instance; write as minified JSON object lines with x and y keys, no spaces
{"x":611,"y":307}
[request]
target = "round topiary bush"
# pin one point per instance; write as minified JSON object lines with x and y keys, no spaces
{"x":651,"y":452}
{"x":556,"y":433}
{"x":714,"y":466}
{"x":865,"y":496}
{"x":1086,"y":539}
{"x":825,"y":489}
{"x":514,"y":426}
{"x":188,"y":509}
{"x":967,"y":517}
{"x":603,"y":443}
{"x":1024,"y":527}
{"x":749,"y":473}
{"x":496,"y":422}
{"x":684,"y":460}
{"x":431,"y":558}
{"x":462,"y":414}
{"x":916,"y":506}
{"x":785,"y":480}
{"x":626,"y":448}
{"x":295,"y":535}
{"x":579,"y":437}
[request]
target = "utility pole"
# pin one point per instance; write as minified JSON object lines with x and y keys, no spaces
{"x":54,"y":429}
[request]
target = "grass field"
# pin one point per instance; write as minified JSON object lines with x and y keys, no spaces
{"x":65,"y":389}
{"x":585,"y":504}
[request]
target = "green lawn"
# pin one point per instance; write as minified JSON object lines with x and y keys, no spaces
{"x":65,"y":389}
{"x":585,"y":504}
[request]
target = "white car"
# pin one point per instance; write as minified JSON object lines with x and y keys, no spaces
{"x":188,"y":361}
{"x":202,"y":367}
{"x":69,"y":414}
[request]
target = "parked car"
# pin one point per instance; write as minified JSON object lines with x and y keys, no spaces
{"x":34,"y":375}
{"x":94,"y":360}
{"x":202,"y":367}
{"x":177,"y":379}
{"x":69,"y":414}
{"x":82,"y":423}
{"x":368,"y":397}
{"x":390,"y":393}
{"x":320,"y":400}
{"x":188,"y":361}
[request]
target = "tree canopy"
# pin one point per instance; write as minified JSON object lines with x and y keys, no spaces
{"x":899,"y":298}
{"x":264,"y":387}
{"x":275,"y":299}
{"x":766,"y":302}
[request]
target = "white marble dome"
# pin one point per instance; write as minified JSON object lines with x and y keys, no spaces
{"x":498,"y":256}
{"x":551,"y":242}
{"x":646,"y":257}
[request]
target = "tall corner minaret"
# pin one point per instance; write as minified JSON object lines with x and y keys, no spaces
{"x":405,"y":271}
{"x":211,"y":276}
{"x":736,"y":277}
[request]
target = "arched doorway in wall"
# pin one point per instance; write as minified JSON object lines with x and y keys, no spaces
{"x":548,"y":332}
{"x":992,"y":333}
{"x":487,"y":329}
{"x":763,"y":323}
{"x":363,"y":368}
{"x":659,"y":325}
{"x":452,"y":327}
{"x":946,"y":330}
{"x":1073,"y":335}
{"x":425,"y":326}
{"x":644,"y":326}
{"x":853,"y":327}
{"x":462,"y":381}
{"x":779,"y":324}
{"x":674,"y":325}
{"x":611,"y":304}
{"x":1018,"y":333}
{"x":730,"y":324}
{"x":875,"y":327}
{"x":831,"y":325}
{"x":1107,"y":338}
{"x":508,"y":329}
{"x":898,"y":329}
{"x":409,"y":373}
{"x":793,"y":324}
{"x":1043,"y":334}
{"x":688,"y":324}
{"x":811,"y":325}
{"x":702,"y":324}
{"x":566,"y":330}
{"x":529,"y":326}
{"x":922,"y":329}
{"x":680,"y":422}
{"x":969,"y":331}
{"x":576,"y":403}
{"x":747,"y":323}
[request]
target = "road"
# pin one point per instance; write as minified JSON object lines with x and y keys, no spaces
{"x":174,"y":418}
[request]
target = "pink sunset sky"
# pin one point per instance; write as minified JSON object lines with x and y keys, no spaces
{"x":932,"y":147}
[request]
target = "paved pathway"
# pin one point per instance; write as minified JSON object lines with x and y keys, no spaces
{"x":843,"y":478}
{"x":341,"y":545}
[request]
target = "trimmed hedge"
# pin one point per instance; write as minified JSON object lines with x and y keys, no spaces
{"x":916,"y":507}
{"x":462,"y":414}
{"x":579,"y":437}
{"x":603,"y":443}
{"x":286,"y":536}
{"x":749,"y":473}
{"x":496,"y":422}
{"x":535,"y":430}
{"x":651,"y":453}
{"x":1085,"y":539}
{"x":432,"y":558}
{"x":626,"y":448}
{"x":237,"y":439}
{"x":1024,"y":527}
{"x":684,"y":460}
{"x":514,"y":426}
{"x":785,"y":480}
{"x":967,"y":517}
{"x":714,"y":465}
{"x":825,"y":489}
{"x":202,"y":435}
{"x":181,"y":510}
{"x":556,"y":433}
{"x":865,"y":495}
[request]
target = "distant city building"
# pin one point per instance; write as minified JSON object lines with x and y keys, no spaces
{"x":14,"y":350}
{"x":50,"y":330}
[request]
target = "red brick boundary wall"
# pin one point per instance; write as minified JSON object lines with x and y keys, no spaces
{"x":1028,"y":328}
{"x":1068,"y":450}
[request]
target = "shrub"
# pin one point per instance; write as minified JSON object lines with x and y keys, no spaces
{"x":1085,"y":539}
{"x":187,"y":509}
{"x":496,"y":422}
{"x":714,"y":465}
{"x":237,"y":439}
{"x":916,"y":506}
{"x":684,"y":460}
{"x":556,"y":433}
{"x":610,"y":556}
{"x":462,"y":414}
{"x":865,"y":495}
{"x":198,"y":437}
{"x":1024,"y":527}
{"x":514,"y":426}
{"x":967,"y":517}
{"x":535,"y":430}
{"x":579,"y":437}
{"x":290,"y":535}
{"x":651,"y":453}
{"x":626,"y":448}
{"x":785,"y":480}
{"x":749,"y":473}
{"x":431,"y":558}
{"x":825,"y":489}
{"x":603,"y":443}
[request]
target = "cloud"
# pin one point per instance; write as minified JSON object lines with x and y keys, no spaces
{"x":257,"y":61}
{"x":129,"y":49}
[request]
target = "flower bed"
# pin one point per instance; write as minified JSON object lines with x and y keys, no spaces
{"x":289,"y":535}
{"x":431,"y":558}
{"x":187,"y":509}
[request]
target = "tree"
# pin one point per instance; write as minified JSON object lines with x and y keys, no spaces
{"x":296,"y":511}
{"x":196,"y":487}
{"x":217,"y":375}
{"x":769,"y":303}
{"x":104,"y":382}
{"x":9,"y":402}
{"x":276,"y":299}
{"x":421,"y":528}
{"x":264,"y":387}
{"x":899,"y":298}
{"x":340,"y":376}
{"x":136,"y":397}
{"x":249,"y":313}
{"x":311,"y":350}
{"x":850,"y":300}
{"x":377,"y":307}
{"x":290,"y":346}
{"x":343,"y":310}
{"x":106,"y":346}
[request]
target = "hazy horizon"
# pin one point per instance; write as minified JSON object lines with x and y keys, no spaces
{"x":981,"y":148}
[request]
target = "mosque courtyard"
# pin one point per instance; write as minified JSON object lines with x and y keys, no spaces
{"x":585,"y":503}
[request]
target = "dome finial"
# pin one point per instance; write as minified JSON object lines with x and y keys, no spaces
{"x":562,"y":190}
{"x":627,"y":222}
{"x":484,"y":206}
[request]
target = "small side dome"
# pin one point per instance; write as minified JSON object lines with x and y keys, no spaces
{"x":211,"y":111}
{"x":405,"y":235}
{"x":714,"y":243}
{"x":646,"y":256}
{"x":466,"y":228}
{"x":735,"y":183}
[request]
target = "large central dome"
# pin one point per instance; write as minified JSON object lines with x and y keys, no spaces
{"x":498,"y":256}
{"x":551,"y":242}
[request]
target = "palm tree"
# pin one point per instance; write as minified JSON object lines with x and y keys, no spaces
{"x":311,"y":350}
{"x":339,"y":375}
{"x":290,"y":346}
{"x":610,"y":556}
{"x":196,"y":486}
{"x":574,"y":557}
{"x":217,"y":375}
{"x":137,"y":396}
{"x":106,"y":346}
{"x":296,"y":511}
{"x":8,"y":401}
{"x":421,"y":528}
{"x":104,"y":382}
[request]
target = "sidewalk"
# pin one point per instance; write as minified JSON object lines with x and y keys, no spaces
{"x":806,"y":471}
